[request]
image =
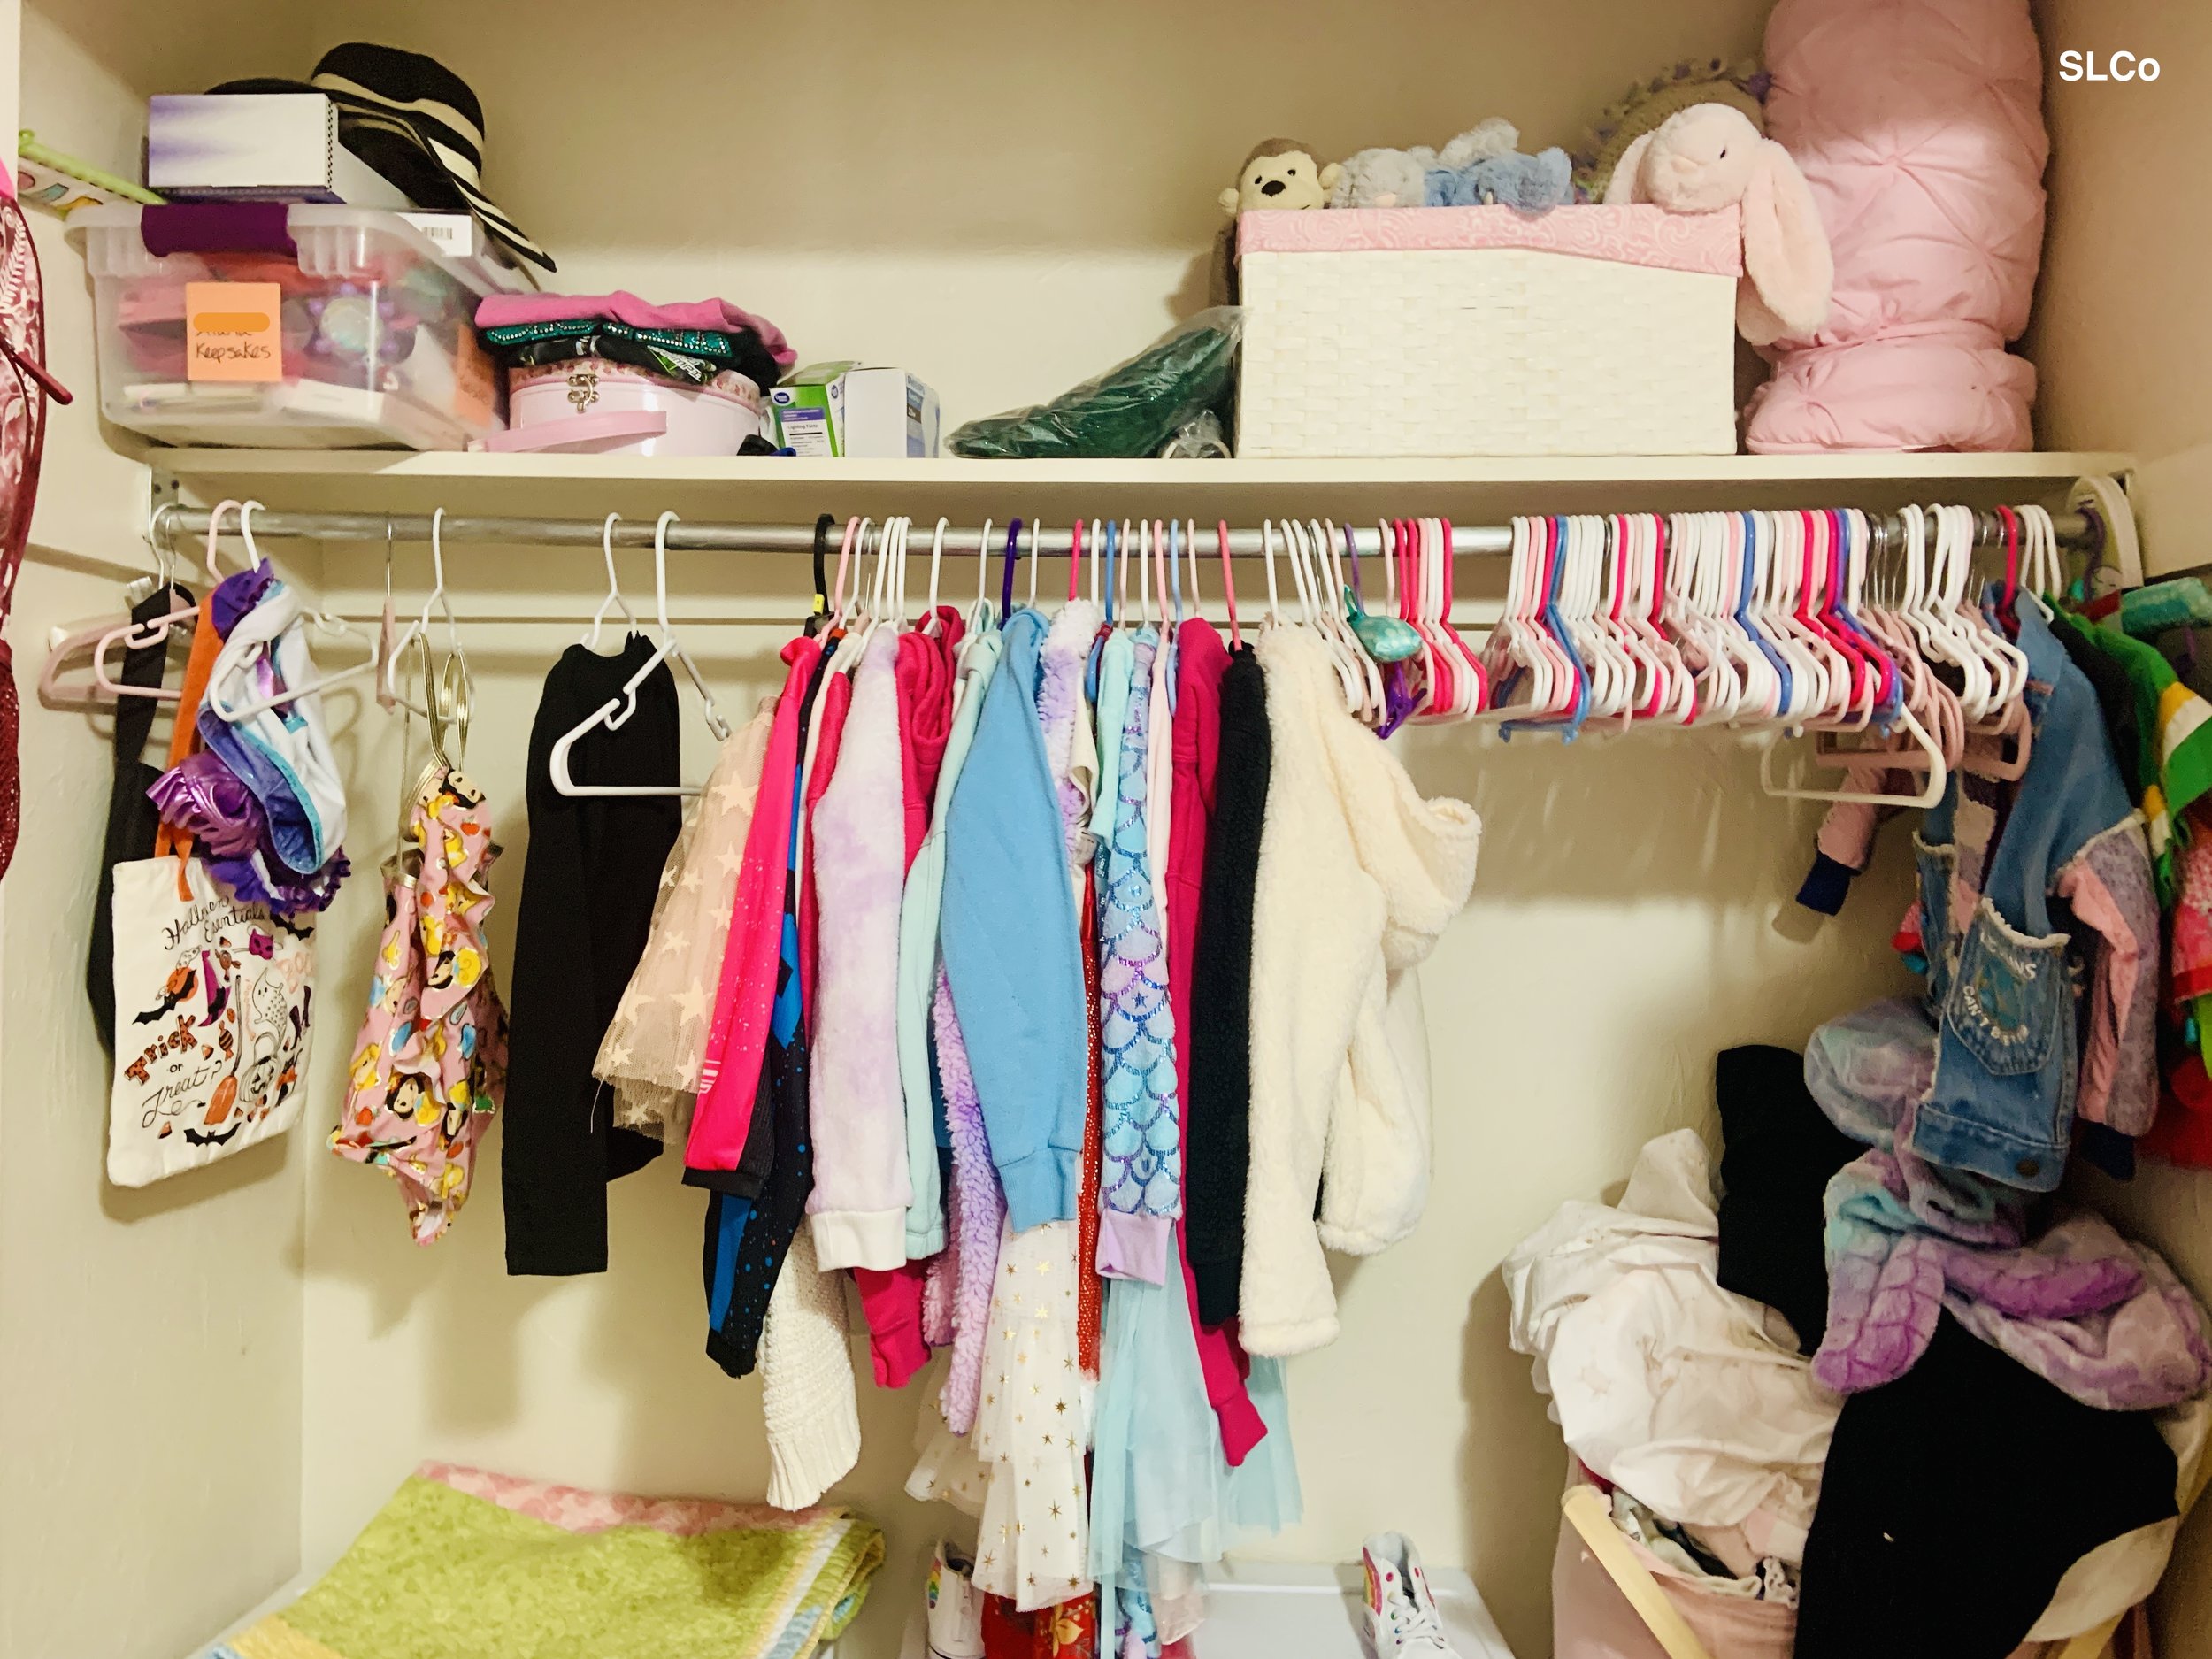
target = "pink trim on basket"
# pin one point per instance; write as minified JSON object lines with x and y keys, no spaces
{"x":1708,"y":244}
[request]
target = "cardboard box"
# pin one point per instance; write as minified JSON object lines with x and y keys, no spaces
{"x":857,"y":411}
{"x":257,"y":147}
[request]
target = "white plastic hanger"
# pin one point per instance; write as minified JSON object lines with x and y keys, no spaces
{"x":617,"y":711}
{"x":1689,"y":614}
{"x":1515,"y":643}
{"x":1372,"y":706}
{"x":1938,"y":775}
{"x":329,"y":627}
{"x":590,"y":641}
{"x":419,"y":628}
{"x":2041,"y":574}
{"x":102,"y":637}
{"x":1924,"y":748}
{"x":985,"y":613}
{"x":863,"y":613}
{"x":933,"y":623}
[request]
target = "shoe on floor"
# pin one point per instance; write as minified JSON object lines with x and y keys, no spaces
{"x":956,"y":1607}
{"x":1401,"y":1618}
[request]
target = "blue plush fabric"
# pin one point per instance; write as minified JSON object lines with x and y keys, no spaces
{"x":1535,"y":184}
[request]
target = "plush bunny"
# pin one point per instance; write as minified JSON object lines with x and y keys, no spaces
{"x":1280,"y":173}
{"x":1399,"y":178}
{"x":1709,"y":156}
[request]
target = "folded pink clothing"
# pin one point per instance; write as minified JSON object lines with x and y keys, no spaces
{"x":510,"y":311}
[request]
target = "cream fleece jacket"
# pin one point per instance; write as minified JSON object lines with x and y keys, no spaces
{"x":861,"y":1185}
{"x":1358,"y":876}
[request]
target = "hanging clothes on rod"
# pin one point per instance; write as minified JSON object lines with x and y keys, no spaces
{"x":429,"y":1065}
{"x":1048,"y":970}
{"x":588,"y":886}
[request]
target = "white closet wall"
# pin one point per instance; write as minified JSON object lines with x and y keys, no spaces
{"x":2123,"y":338}
{"x":1003,"y":201}
{"x":150,"y":1366}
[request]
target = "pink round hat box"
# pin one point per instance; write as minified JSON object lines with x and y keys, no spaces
{"x":590,"y":406}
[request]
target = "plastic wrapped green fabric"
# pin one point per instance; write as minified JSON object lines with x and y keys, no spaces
{"x":1133,"y":410}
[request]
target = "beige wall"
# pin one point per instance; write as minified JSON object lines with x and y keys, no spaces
{"x":2124,"y":339}
{"x":1004,"y":200}
{"x":2122,"y":334}
{"x":150,"y":1364}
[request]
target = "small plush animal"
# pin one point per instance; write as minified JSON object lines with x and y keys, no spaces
{"x":1399,"y":178}
{"x":1534,"y":184}
{"x":1709,"y":156}
{"x":1280,"y":173}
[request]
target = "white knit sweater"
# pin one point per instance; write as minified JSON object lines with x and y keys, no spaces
{"x":1358,"y":876}
{"x":806,"y":1380}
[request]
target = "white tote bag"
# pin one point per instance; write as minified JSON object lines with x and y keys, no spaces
{"x":213,"y":999}
{"x":214,"y":1003}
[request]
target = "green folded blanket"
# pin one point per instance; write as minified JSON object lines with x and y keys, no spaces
{"x":440,"y":1574}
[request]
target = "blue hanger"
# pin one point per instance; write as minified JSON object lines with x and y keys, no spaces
{"x":1175,"y":578}
{"x":1106,"y":593}
{"x":1572,"y":727}
{"x":1006,"y":582}
{"x":1743,"y":610}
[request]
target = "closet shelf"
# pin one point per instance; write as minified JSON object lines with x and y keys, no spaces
{"x":764,"y":490}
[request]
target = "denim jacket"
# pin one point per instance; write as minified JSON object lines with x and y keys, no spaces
{"x":2006,"y":979}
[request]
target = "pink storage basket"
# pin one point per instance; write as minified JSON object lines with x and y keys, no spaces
{"x":594,"y":406}
{"x":1594,"y":1614}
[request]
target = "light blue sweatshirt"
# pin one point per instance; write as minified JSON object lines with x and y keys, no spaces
{"x":1012,"y":955}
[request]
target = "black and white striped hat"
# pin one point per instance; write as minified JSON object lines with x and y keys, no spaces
{"x":416,"y":123}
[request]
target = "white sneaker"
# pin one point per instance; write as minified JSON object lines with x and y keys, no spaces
{"x":956,"y":1607}
{"x":1401,"y":1618}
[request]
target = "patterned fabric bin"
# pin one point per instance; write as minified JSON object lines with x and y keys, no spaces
{"x":1471,"y":331}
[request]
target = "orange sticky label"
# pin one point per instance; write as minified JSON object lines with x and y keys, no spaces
{"x":234,"y":331}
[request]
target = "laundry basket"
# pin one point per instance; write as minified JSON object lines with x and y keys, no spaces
{"x":1612,"y":1599}
{"x":1474,"y":331}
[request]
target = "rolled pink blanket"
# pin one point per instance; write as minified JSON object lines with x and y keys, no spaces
{"x":1919,"y":128}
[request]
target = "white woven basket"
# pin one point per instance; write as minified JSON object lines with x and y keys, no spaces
{"x":1484,"y":331}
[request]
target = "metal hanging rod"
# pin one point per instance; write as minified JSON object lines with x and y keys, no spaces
{"x":173,"y":524}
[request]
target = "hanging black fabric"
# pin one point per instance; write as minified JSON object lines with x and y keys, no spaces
{"x":1218,"y":1138}
{"x":588,"y":881}
{"x":1778,"y":1151}
{"x":753,"y":1215}
{"x":132,"y":820}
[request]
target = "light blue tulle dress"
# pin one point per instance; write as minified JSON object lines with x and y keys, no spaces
{"x":1160,"y":1485}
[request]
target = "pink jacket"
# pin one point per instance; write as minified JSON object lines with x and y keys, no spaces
{"x":1918,"y":125}
{"x":738,"y":1039}
{"x":1201,"y":660}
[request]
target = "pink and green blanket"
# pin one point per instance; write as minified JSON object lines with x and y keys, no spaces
{"x":461,"y":1564}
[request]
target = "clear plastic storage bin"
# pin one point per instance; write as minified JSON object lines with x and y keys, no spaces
{"x":364,"y":335}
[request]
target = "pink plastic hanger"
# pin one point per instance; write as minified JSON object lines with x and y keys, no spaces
{"x":138,"y":636}
{"x":1229,"y":587}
